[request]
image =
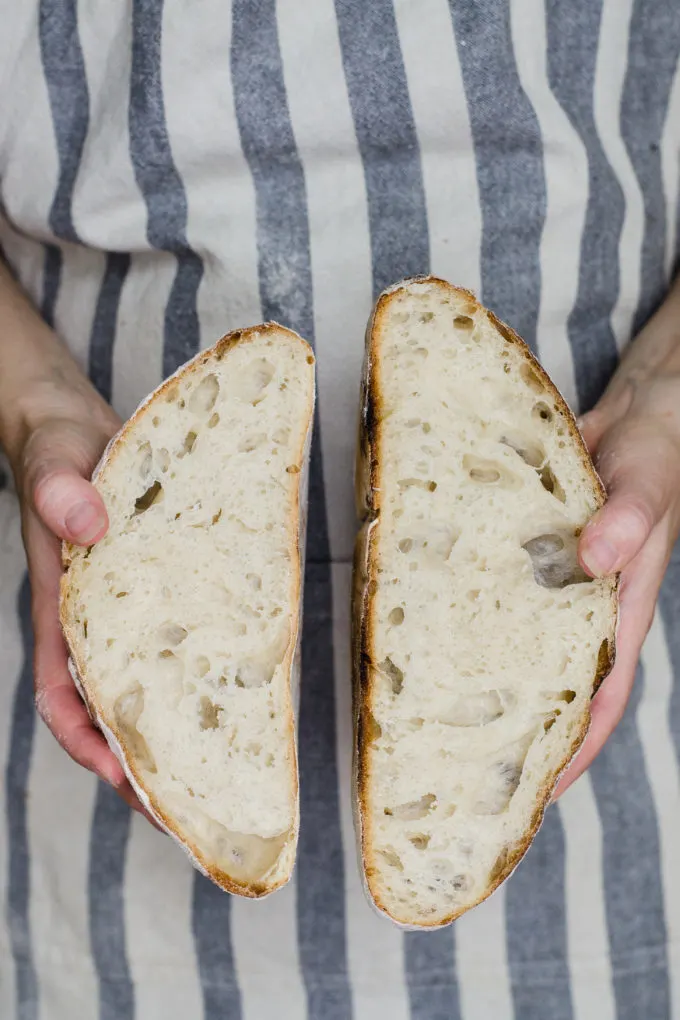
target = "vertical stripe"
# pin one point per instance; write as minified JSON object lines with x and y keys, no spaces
{"x":652,"y":60}
{"x":634,"y":895}
{"x":575,"y":296}
{"x":214,"y":952}
{"x":16,"y":782}
{"x":286,"y":292}
{"x":442,"y":125}
{"x":589,"y":961}
{"x":159,"y":887}
{"x":610,"y":73}
{"x":669,"y":608}
{"x":670,"y":171}
{"x":12,"y":571}
{"x":482,"y":961}
{"x":200,"y":118}
{"x":161,"y":184}
{"x":67,"y":86}
{"x":167,"y":214}
{"x":111,"y":818}
{"x":110,"y":833}
{"x":662,"y":767}
{"x":374,"y":945}
{"x":386,"y":133}
{"x":537,"y":928}
{"x":509,"y":157}
{"x":633,"y":854}
{"x":512,"y":186}
{"x":103,"y":332}
{"x":51,"y":281}
{"x":397,"y":214}
{"x":572,"y":35}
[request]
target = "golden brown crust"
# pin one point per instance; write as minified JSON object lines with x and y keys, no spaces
{"x":365,"y":574}
{"x":216,"y":352}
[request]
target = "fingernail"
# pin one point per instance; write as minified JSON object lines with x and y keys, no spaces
{"x":84,"y":521}
{"x":600,"y":557}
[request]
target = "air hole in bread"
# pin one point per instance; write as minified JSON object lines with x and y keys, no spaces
{"x":554,"y":561}
{"x":531,"y":378}
{"x":155,"y":421}
{"x":542,"y":411}
{"x":163,"y":458}
{"x":405,"y":545}
{"x":396,"y":616}
{"x":122,"y":594}
{"x":255,"y":581}
{"x":188,"y":444}
{"x":476,"y":709}
{"x":250,"y":443}
{"x":204,"y":396}
{"x":463,"y":322}
{"x":427,"y":317}
{"x":293,"y":469}
{"x":146,"y":459}
{"x":392,"y":858}
{"x":567,"y":696}
{"x":209,"y":714}
{"x":551,"y":484}
{"x":413,"y":810}
{"x":213,"y":420}
{"x":489,"y":472}
{"x":242,"y":855}
{"x":253,"y":674}
{"x":201,"y":665}
{"x":419,"y":840}
{"x":416,"y":483}
{"x":172,"y":634}
{"x":153,"y":495}
{"x":254,"y":380}
{"x":531,"y":453}
{"x":393,"y":674}
{"x":127,"y":710}
{"x":502,"y":779}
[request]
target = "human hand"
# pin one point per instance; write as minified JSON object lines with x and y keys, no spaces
{"x":65,"y":427}
{"x":634,"y":434}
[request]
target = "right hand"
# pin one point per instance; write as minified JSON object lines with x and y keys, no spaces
{"x":65,"y":427}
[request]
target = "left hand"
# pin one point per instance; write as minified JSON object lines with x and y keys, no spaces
{"x":634,"y":435}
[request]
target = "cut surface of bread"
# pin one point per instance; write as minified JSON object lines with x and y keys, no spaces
{"x":183,"y":621}
{"x":478,"y":639}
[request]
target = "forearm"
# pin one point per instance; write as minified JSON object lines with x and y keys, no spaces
{"x":39,"y":379}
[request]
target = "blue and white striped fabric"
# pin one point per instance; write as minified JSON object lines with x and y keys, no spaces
{"x":170,"y":170}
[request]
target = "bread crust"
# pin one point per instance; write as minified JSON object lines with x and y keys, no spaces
{"x":282,"y":869}
{"x":368,"y":495}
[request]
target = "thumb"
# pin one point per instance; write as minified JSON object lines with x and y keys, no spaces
{"x":70,"y":506}
{"x":56,"y":487}
{"x":637,"y":463}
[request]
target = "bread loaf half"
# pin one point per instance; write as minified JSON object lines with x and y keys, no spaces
{"x":183,"y":622}
{"x":479,"y":641}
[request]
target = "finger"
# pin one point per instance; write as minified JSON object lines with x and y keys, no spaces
{"x":69,"y":505}
{"x":638,"y":464}
{"x":639,"y":588}
{"x":57,"y":699}
{"x":58,"y":461}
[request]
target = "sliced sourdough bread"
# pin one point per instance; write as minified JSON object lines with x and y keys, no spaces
{"x":183,"y":622}
{"x":478,"y":640}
